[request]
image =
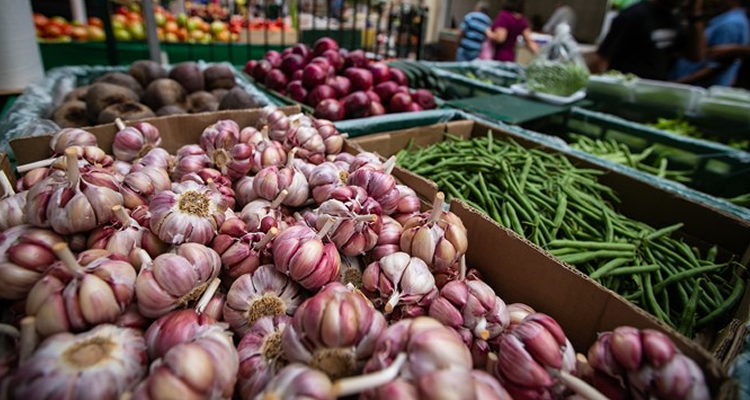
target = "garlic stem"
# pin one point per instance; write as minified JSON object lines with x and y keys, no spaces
{"x":121,"y":215}
{"x":579,"y":386}
{"x":71,"y":161}
{"x":389,"y":165}
{"x":36,"y":164}
{"x":462,"y":269}
{"x":266,"y":239}
{"x":126,"y":396}
{"x":481,"y":329}
{"x":144,"y":257}
{"x":279,"y":199}
{"x":207,"y":296}
{"x":350,"y":386}
{"x":29,"y":340}
{"x":119,"y":123}
{"x":297,"y":216}
{"x":491,"y":363}
{"x":5,"y":184}
{"x":437,"y":208}
{"x":212,"y":185}
{"x":344,"y":135}
{"x":10,"y":330}
{"x":62,"y":251}
{"x":366,"y":218}
{"x":290,"y":158}
{"x":264,"y":131}
{"x":326,"y":227}
{"x":392,"y":302}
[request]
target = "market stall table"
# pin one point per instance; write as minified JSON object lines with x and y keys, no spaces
{"x":512,"y":109}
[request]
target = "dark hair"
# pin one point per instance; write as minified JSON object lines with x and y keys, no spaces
{"x":514,"y":6}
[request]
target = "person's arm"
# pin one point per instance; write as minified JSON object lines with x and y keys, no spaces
{"x":530,"y":43}
{"x":552,"y":22}
{"x":598,"y":64}
{"x":499,"y":35}
{"x":696,"y":39}
{"x":703,"y":74}
{"x":728,"y":52}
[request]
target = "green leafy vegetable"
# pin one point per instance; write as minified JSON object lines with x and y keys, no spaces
{"x":559,"y":79}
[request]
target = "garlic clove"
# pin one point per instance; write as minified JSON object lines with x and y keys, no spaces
{"x":517,"y":365}
{"x":626,"y":347}
{"x":657,"y":347}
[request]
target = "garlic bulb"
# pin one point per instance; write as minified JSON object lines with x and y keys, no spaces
{"x":134,"y":141}
{"x":267,"y":153}
{"x":309,"y":144}
{"x":189,"y":213}
{"x":351,"y":271}
{"x":244,"y":192}
{"x":203,"y":368}
{"x":242,"y":252}
{"x":189,"y":158}
{"x":379,"y":185}
{"x":400,"y":283}
{"x":12,"y":205}
{"x":78,"y":202}
{"x":361,"y":160}
{"x":25,"y":253}
{"x":221,"y":142}
{"x":125,"y":236}
{"x":438,"y":237}
{"x":441,"y":384}
{"x":76,"y":294}
{"x":216,"y":181}
{"x":156,"y":157}
{"x":261,"y":215}
{"x":334,"y":331}
{"x":278,"y":123}
{"x":30,"y":179}
{"x":389,"y":239}
{"x":103,"y":363}
{"x":333,"y":140}
{"x":261,"y":355}
{"x":305,"y":167}
{"x":345,"y":160}
{"x":173,"y":280}
{"x":408,"y":203}
{"x":139,"y":187}
{"x":68,"y":137}
{"x":324,"y":179}
{"x":300,"y":253}
{"x":264,"y":292}
{"x":271,"y":181}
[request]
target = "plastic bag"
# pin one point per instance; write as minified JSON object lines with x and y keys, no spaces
{"x":559,"y":68}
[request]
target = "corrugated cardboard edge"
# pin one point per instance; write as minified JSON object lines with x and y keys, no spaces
{"x":566,"y":292}
{"x":176,"y":130}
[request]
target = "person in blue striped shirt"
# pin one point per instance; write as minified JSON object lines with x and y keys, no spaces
{"x":474,"y":30}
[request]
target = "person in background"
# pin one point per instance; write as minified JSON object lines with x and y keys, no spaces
{"x":563,"y":14}
{"x":509,"y":25}
{"x":474,"y":30}
{"x":647,"y":38}
{"x":730,"y":27}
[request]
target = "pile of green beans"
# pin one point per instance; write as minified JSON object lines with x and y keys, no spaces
{"x":565,"y":210}
{"x":620,"y":153}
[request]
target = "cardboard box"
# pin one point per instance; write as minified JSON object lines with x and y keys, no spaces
{"x":519,"y":271}
{"x":704,"y":226}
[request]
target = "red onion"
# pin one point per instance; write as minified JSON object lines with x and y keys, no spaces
{"x":261,"y":69}
{"x":386,"y":90}
{"x":274,"y":57}
{"x":334,"y":57}
{"x":400,"y":102}
{"x":424,"y":98}
{"x":314,"y":74}
{"x":276,"y":80}
{"x":297,"y":91}
{"x":323,"y":44}
{"x":356,"y":59}
{"x":360,"y":78}
{"x":330,"y":109}
{"x":291,"y":63}
{"x":320,"y":93}
{"x":399,"y":77}
{"x":341,"y":85}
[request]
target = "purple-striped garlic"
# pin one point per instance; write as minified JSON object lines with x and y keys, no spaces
{"x":180,"y":326}
{"x":646,"y":362}
{"x":77,"y":294}
{"x":189,"y":213}
{"x":156,"y":157}
{"x":189,"y":158}
{"x":437,"y":237}
{"x":300,"y":253}
{"x":309,"y":144}
{"x":271,"y":181}
{"x":25,"y":253}
{"x":536,"y":359}
{"x":261,"y":355}
{"x":124,"y":236}
{"x":267,"y":153}
{"x":363,"y":159}
{"x":379,"y":184}
{"x":131,"y":318}
{"x":244,"y":191}
{"x":87,"y":156}
{"x":351,"y":271}
{"x":242,"y":253}
{"x":216,"y":181}
{"x":30,"y":179}
{"x":69,"y":137}
{"x":334,"y":331}
{"x":203,"y":368}
{"x":305,"y":167}
{"x":264,"y":292}
{"x":12,"y":205}
{"x":278,"y":123}
{"x":352,"y":233}
{"x":344,"y":160}
{"x":134,"y":141}
{"x":333,"y":140}
{"x":324,"y":179}
{"x":441,"y":384}
{"x":121,"y":169}
{"x":252,"y":135}
{"x":389,"y":239}
{"x":261,"y":215}
{"x":430,"y":347}
{"x":222,"y":134}
{"x":400,"y":284}
{"x":173,"y":280}
{"x":103,"y":363}
{"x":73,"y":203}
{"x":408,"y":204}
{"x":139,"y":187}
{"x":518,"y":311}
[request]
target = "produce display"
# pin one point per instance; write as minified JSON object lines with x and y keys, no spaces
{"x":564,"y":210}
{"x":336,"y":83}
{"x":264,"y":263}
{"x":58,"y":29}
{"x":681,"y":127}
{"x":149,"y":90}
{"x":556,"y":78}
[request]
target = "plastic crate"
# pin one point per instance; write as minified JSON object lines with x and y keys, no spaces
{"x":610,"y":88}
{"x":711,"y":107}
{"x":664,"y":95}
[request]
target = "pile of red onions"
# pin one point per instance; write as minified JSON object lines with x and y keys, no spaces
{"x":264,"y":262}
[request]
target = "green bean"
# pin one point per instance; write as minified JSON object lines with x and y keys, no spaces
{"x":664,"y":231}
{"x":737,"y":292}
{"x":651,"y":299}
{"x":593,"y":255}
{"x":686,"y":274}
{"x":687,"y":320}
{"x":636,"y":269}
{"x":609,"y":266}
{"x":593,"y":245}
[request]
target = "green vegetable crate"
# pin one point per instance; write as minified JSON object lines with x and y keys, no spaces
{"x":710,"y":167}
{"x":450,"y":85}
{"x":686,"y":239}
